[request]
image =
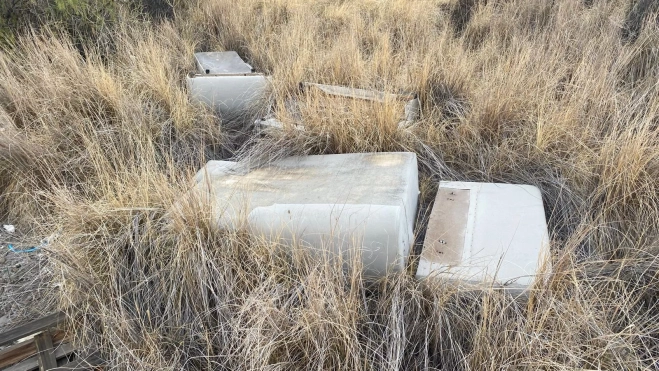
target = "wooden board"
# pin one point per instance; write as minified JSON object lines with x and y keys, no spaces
{"x":347,"y":92}
{"x":31,"y":363}
{"x":41,"y":324}
{"x":90,"y":362}
{"x":19,"y":352}
{"x":45,"y":351}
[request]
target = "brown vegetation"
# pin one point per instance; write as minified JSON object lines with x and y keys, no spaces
{"x":99,"y":144}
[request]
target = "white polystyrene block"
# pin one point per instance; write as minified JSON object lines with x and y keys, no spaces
{"x":485,"y":233}
{"x":378,"y":230}
{"x":328,"y":203}
{"x":232,"y":96}
{"x":228,"y":62}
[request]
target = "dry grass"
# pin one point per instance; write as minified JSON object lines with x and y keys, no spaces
{"x":559,"y":94}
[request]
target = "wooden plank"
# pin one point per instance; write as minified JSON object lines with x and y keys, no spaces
{"x":89,"y":362}
{"x":355,"y":93}
{"x":46,"y":353}
{"x":21,"y":351}
{"x":41,"y":324}
{"x":33,"y":362}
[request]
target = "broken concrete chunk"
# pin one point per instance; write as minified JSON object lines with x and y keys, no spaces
{"x":329,"y":203}
{"x":484,"y":233}
{"x":221,"y":63}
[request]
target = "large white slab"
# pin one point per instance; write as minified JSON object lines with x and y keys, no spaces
{"x":329,"y":203}
{"x":485,"y":233}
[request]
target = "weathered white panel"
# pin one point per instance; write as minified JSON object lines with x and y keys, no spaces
{"x":221,"y":63}
{"x":233,"y":96}
{"x":333,"y":202}
{"x":344,"y":91}
{"x":215,"y":169}
{"x":379,"y":230}
{"x":485,"y":232}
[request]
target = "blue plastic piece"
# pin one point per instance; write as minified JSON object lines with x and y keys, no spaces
{"x":31,"y":249}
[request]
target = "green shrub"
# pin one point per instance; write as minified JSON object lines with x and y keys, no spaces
{"x":86,"y":21}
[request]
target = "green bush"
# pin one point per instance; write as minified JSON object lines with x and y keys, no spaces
{"x":87,"y":21}
{"x":82,"y":19}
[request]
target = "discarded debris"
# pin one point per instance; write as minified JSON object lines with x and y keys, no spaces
{"x":412,"y":114}
{"x":221,"y":63}
{"x":412,"y":107}
{"x":228,"y":85}
{"x":41,"y":345}
{"x":270,"y":123}
{"x":15,"y":250}
{"x":337,"y":202}
{"x":9,"y":228}
{"x":410,"y":117}
{"x":477,"y":231}
{"x":44,"y":243}
{"x":485,"y":233}
{"x":373,"y":95}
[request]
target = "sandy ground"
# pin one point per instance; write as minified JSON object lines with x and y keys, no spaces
{"x":25,"y":281}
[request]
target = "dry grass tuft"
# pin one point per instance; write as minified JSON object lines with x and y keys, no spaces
{"x":559,"y":94}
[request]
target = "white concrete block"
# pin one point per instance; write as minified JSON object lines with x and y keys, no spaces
{"x":325,"y":203}
{"x":485,"y":233}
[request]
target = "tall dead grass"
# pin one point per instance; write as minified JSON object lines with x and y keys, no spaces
{"x":550,"y":93}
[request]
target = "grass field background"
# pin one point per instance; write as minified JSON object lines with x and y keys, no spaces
{"x":98,"y":139}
